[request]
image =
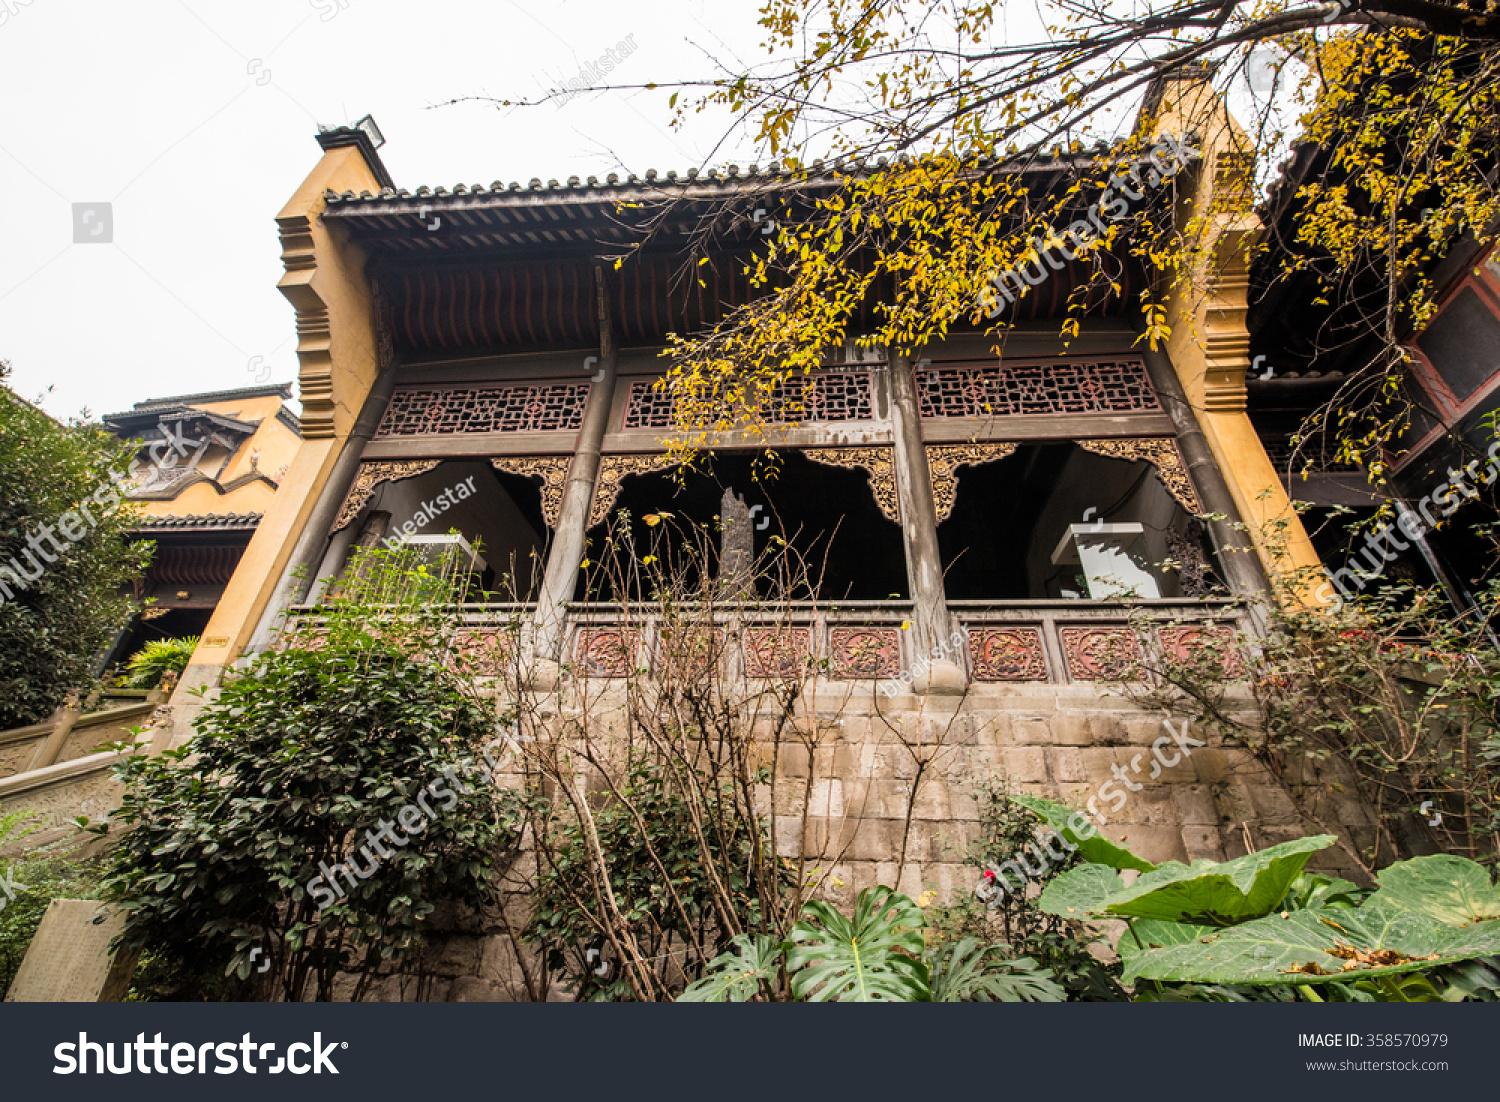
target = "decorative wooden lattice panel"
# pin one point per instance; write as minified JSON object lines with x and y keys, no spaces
{"x":862,"y":653}
{"x":1065,"y":386}
{"x":1099,"y":653}
{"x":1008,"y":654}
{"x":460,"y":410}
{"x":824,"y":397}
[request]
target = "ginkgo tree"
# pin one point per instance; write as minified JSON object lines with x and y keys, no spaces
{"x":929,"y":123}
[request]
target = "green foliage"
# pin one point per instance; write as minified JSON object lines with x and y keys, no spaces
{"x":157,"y":658}
{"x":1392,"y":698}
{"x":738,"y":975}
{"x":878,"y":955}
{"x":1206,"y":892}
{"x":1059,"y":944}
{"x":51,"y":632}
{"x":303,"y":754}
{"x":37,"y":878}
{"x":873,"y":957}
{"x":1228,"y":928}
{"x":968,"y":971}
{"x":664,"y":877}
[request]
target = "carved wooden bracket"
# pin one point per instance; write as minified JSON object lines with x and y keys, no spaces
{"x":943,"y":462}
{"x":878,"y":463}
{"x":551,"y":469}
{"x":612,"y":471}
{"x":1161,"y":452}
{"x":372,"y":475}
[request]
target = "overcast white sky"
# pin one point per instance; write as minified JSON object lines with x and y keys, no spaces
{"x":164,"y":110}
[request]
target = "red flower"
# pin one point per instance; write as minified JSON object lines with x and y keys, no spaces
{"x":988,"y":875}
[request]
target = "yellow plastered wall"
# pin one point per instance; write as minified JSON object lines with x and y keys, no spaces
{"x":273,"y":442}
{"x":1209,"y":344}
{"x":338,"y":355}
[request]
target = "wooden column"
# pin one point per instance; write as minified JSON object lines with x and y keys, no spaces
{"x":561,"y":576}
{"x":930,"y":625}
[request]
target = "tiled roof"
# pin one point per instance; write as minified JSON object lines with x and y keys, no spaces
{"x":695,"y":183}
{"x":150,"y":405}
{"x":201,"y":521}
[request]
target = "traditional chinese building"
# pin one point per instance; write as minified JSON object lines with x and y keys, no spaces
{"x":483,"y":337}
{"x":207,"y":469}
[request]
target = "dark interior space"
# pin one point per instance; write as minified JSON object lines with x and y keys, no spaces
{"x":1010,"y":515}
{"x":825,"y":514}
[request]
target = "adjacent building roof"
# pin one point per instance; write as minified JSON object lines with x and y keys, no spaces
{"x":223,"y":522}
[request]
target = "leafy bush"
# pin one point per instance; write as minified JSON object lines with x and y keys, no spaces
{"x":346,"y":728}
{"x":52,"y":631}
{"x":157,"y":658}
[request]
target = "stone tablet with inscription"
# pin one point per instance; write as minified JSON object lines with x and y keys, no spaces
{"x":69,"y":960}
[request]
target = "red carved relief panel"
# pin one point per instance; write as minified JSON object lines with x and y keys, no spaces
{"x":1008,"y":654}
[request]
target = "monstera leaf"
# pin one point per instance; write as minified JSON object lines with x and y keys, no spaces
{"x":1455,"y":891}
{"x":970,"y":971}
{"x":1205,"y":892}
{"x":1096,"y":849}
{"x":873,"y":957}
{"x":735,"y":976}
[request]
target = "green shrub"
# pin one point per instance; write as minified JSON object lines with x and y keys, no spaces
{"x":52,"y":630}
{"x":157,"y":658}
{"x":297,"y":763}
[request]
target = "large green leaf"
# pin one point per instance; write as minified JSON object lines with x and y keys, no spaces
{"x":1146,"y":934}
{"x":735,"y":976}
{"x":874,"y":957}
{"x":1452,"y":890}
{"x":1095,"y":849}
{"x":1205,"y":892}
{"x":1081,"y":892}
{"x":1315,"y":946}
